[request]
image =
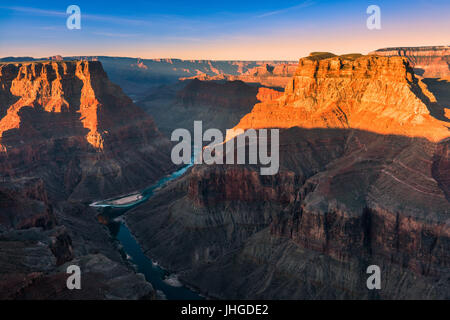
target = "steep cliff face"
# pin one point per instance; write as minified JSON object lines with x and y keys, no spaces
{"x":363,"y":180}
{"x":229,"y":95}
{"x":67,"y":123}
{"x":430,"y":62}
{"x":68,"y":135}
{"x":275,"y":76}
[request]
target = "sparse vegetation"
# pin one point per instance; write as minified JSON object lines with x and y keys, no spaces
{"x":320,"y":55}
{"x":316,"y":56}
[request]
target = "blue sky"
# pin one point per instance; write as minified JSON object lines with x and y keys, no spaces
{"x":283,"y":29}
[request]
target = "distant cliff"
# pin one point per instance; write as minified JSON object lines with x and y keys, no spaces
{"x":430,"y":62}
{"x":266,"y":75}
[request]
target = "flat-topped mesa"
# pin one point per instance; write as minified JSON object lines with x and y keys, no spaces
{"x":355,"y":66}
{"x":373,"y":93}
{"x":65,"y":98}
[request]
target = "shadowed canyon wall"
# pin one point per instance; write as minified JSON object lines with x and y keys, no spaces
{"x":217,"y":104}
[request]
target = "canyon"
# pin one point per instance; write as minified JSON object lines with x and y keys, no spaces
{"x":363,"y":180}
{"x":69,"y":136}
{"x":364,"y":176}
{"x":138,"y":76}
{"x":220,"y":101}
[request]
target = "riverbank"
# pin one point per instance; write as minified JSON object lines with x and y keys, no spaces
{"x":112,"y":210}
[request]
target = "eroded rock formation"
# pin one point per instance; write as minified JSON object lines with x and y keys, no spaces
{"x":67,"y":122}
{"x":68,"y":136}
{"x":372,"y":93}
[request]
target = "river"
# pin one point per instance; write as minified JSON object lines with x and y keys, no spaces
{"x":113,"y":209}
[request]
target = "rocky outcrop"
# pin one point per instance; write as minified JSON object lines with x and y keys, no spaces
{"x":68,"y":124}
{"x":68,"y":136}
{"x":378,"y":94}
{"x":430,"y":62}
{"x":363,"y":181}
{"x":267,"y":94}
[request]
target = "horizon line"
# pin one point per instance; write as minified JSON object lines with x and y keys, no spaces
{"x":213,"y":59}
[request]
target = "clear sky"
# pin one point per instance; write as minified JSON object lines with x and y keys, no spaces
{"x":218,"y":29}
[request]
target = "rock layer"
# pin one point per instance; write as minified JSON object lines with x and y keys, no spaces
{"x":87,"y":137}
{"x":68,"y":136}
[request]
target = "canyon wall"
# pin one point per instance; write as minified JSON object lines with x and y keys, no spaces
{"x":69,"y":136}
